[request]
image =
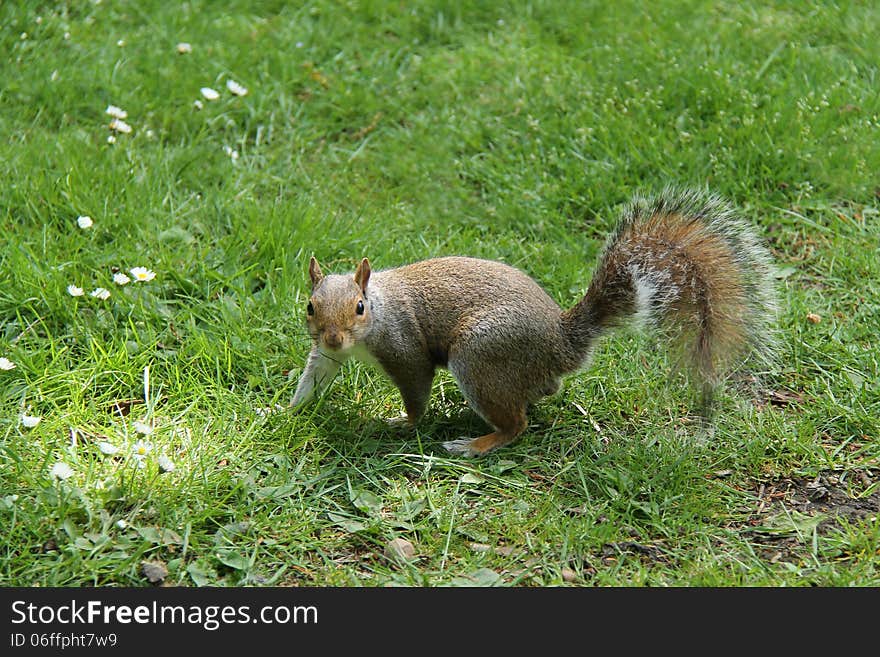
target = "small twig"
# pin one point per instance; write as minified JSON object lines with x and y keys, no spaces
{"x":761,"y":498}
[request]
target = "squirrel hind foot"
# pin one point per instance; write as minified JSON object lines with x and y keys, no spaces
{"x":509,"y":421}
{"x":479,"y":446}
{"x":465,"y":447}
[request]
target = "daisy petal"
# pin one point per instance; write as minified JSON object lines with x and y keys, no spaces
{"x":235,"y":88}
{"x":140,"y":449}
{"x":120,"y":126}
{"x":116,"y":112}
{"x":142,"y":274}
{"x":143,"y":428}
{"x":30,"y":421}
{"x":61,"y":470}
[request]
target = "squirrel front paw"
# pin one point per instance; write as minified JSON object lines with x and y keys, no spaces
{"x":401,"y":421}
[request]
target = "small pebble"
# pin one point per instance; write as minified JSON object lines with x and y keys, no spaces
{"x":154,"y":571}
{"x":399,"y":549}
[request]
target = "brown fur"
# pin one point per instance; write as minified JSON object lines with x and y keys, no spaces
{"x":685,"y":264}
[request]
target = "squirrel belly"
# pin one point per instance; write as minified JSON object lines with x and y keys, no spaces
{"x":682,"y":263}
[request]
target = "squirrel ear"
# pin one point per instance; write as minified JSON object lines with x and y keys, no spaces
{"x":362,"y":274}
{"x":315,"y":272}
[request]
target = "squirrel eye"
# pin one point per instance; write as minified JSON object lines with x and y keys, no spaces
{"x":310,"y":309}
{"x":360,"y":308}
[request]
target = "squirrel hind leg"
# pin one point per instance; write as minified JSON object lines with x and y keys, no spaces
{"x":500,"y":393}
{"x":508,"y":423}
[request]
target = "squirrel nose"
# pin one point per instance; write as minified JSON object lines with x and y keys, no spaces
{"x":333,"y":338}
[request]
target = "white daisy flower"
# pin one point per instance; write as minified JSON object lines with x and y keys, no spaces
{"x":209,"y":93}
{"x":143,"y":428}
{"x":30,"y":421}
{"x":120,"y":126}
{"x":183,"y":48}
{"x":121,"y":279}
{"x":61,"y":470}
{"x":165,"y":463}
{"x":6,"y":364}
{"x":140,"y":449}
{"x":84,"y":221}
{"x":231,"y":152}
{"x":142,"y":274}
{"x":121,"y":524}
{"x":111,"y":139}
{"x":120,"y":43}
{"x":197,"y":104}
{"x":100,"y":293}
{"x":74,"y":291}
{"x":235,"y":88}
{"x":116,"y":112}
{"x":108,"y":448}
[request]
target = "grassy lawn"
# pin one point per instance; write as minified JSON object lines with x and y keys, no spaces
{"x":400,"y":131}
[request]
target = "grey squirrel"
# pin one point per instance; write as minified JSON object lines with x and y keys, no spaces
{"x":683,"y":262}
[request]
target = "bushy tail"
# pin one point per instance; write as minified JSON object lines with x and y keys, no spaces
{"x":686,"y":264}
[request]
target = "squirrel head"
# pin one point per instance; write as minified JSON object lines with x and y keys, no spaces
{"x":339,"y":312}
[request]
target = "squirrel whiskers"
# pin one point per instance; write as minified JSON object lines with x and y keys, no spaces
{"x":681,"y":262}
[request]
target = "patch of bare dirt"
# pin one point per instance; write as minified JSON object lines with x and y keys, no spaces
{"x":790,"y":510}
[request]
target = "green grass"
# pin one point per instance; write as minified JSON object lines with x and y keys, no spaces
{"x":399,"y":131}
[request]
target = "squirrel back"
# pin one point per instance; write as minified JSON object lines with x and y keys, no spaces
{"x":444,"y":298}
{"x":682,"y":262}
